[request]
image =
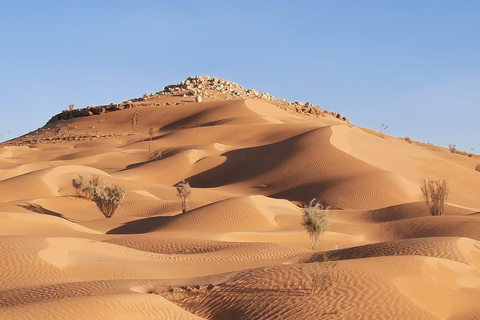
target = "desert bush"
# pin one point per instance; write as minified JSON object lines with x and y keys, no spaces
{"x":435,"y":192}
{"x":322,"y":275}
{"x":184,"y":191}
{"x":452,"y":147}
{"x":151,"y":132}
{"x":315,"y":221}
{"x":383,"y":127}
{"x":134,"y":119}
{"x":477,"y":167}
{"x":80,"y":185}
{"x":408,"y":139}
{"x":84,"y":188}
{"x":108,"y":198}
{"x":94,"y":182}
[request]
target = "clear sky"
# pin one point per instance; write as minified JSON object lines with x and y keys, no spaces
{"x":413,"y":65}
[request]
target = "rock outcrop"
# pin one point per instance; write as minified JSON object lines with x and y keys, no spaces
{"x":201,"y":88}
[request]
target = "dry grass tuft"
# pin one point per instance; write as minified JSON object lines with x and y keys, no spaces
{"x":315,"y":221}
{"x":184,"y":191}
{"x":435,"y":192}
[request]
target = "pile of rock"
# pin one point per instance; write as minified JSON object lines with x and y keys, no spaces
{"x":211,"y":87}
{"x":201,"y":88}
{"x":208,"y":87}
{"x":89,"y":111}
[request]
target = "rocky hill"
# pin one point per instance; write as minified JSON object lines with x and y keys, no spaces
{"x":193,"y":89}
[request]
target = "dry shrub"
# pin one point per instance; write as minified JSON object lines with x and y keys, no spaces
{"x":435,"y":192}
{"x":477,"y":167}
{"x":107,"y":197}
{"x":320,"y":273}
{"x":85,"y":189}
{"x":184,"y":191}
{"x":134,"y":119}
{"x":452,"y":147}
{"x":322,"y":276}
{"x":151,"y":133}
{"x":315,"y":221}
{"x":80,"y":185}
{"x":383,"y":127}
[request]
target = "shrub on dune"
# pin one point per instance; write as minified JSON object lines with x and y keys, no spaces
{"x":151,"y":133}
{"x":315,"y":221}
{"x":435,"y":192}
{"x":108,"y":198}
{"x":80,"y":185}
{"x":184,"y":191}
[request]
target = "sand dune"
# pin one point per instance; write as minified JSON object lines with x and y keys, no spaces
{"x":240,"y":251}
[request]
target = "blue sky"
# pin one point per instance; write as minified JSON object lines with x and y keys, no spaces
{"x":413,"y":65}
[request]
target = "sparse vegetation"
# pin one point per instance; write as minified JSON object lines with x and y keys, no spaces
{"x":408,"y":139}
{"x":184,"y":191}
{"x":80,"y":185}
{"x":435,"y":192}
{"x":383,"y":127}
{"x":452,"y":147}
{"x":85,"y":189}
{"x":134,"y":119}
{"x":315,"y":221}
{"x":472,"y":152}
{"x":322,"y":274}
{"x":107,"y":197}
{"x":151,"y":132}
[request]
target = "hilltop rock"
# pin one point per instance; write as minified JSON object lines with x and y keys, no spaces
{"x":201,"y":87}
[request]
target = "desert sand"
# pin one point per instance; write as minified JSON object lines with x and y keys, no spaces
{"x":240,"y":251}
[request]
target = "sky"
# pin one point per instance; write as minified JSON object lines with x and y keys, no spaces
{"x":411,"y":65}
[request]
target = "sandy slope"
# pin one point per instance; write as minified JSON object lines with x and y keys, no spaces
{"x":240,"y":252}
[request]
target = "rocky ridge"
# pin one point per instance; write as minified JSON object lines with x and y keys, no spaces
{"x":200,"y":88}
